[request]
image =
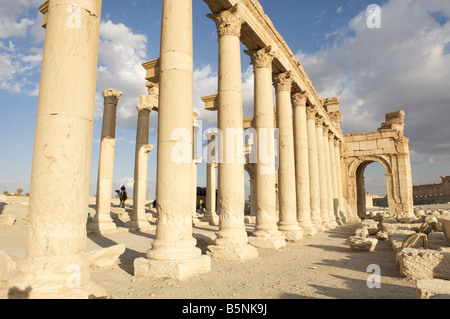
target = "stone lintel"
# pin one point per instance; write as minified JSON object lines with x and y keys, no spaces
{"x":43,"y":8}
{"x":153,"y":70}
{"x":211,"y":102}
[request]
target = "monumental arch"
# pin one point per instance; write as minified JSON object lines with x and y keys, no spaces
{"x":389,"y":147}
{"x":315,"y":188}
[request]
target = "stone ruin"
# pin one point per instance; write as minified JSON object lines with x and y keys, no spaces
{"x":318,"y":185}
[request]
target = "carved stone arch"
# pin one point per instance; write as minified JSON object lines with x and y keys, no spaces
{"x":357,"y":192}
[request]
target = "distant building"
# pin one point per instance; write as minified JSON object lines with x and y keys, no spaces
{"x":373,"y":200}
{"x":432,"y":193}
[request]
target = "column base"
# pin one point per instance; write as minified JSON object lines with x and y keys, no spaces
{"x":268,"y":242}
{"x":101,"y":227}
{"x":178,"y":270}
{"x":249,"y":219}
{"x":293,"y":235}
{"x":61,"y":277}
{"x":320,"y":228}
{"x":140,"y":225}
{"x":309,"y":230}
{"x":212,"y":220}
{"x":232,"y":253}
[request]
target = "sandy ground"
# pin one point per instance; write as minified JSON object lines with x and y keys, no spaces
{"x":319,"y":267}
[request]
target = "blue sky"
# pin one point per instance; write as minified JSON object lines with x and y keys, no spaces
{"x":403,"y":65}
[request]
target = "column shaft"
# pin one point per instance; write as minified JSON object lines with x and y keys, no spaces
{"x":102,"y":221}
{"x":56,"y":233}
{"x":266,"y":234}
{"x":337,"y":150}
{"x":288,"y":223}
{"x":174,"y":253}
{"x":328,"y":175}
{"x":232,"y":240}
{"x":333,"y":165}
{"x":322,"y":175}
{"x":302,"y":165}
{"x":314,"y":179}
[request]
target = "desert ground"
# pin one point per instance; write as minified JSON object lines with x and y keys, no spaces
{"x":318,"y":267}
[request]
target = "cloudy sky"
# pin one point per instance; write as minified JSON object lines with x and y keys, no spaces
{"x":403,"y":65}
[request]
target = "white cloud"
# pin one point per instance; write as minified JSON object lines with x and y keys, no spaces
{"x":121,"y":54}
{"x":339,"y":10}
{"x":400,"y":66}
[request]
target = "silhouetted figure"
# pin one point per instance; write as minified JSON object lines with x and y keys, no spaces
{"x":122,"y":196}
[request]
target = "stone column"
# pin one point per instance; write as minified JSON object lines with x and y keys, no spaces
{"x":232,"y":240}
{"x":302,"y":165}
{"x":314,"y":179}
{"x":60,"y":176}
{"x":138,"y":219}
{"x":328,"y":174}
{"x":266,"y":234}
{"x":211,"y":216}
{"x":288,"y":223}
{"x":334,"y":178}
{"x":102,"y":221}
{"x":195,"y":161}
{"x":322,"y":174}
{"x":174,"y":253}
{"x":337,"y":150}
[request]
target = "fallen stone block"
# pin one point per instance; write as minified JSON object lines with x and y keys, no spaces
{"x":424,"y":263}
{"x":7,"y":266}
{"x":371,"y":225}
{"x":433,"y":289}
{"x":382,"y":235}
{"x":445,"y":222}
{"x":362,"y":232}
{"x":362,"y":244}
{"x":7,"y":220}
{"x":105,"y":257}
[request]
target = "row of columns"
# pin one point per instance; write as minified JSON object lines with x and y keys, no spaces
{"x":56,"y":238}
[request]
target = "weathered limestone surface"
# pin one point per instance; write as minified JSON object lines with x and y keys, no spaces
{"x":433,"y":289}
{"x":422,"y":264}
{"x":362,"y":244}
{"x":105,"y":257}
{"x":56,"y":236}
{"x":174,"y":253}
{"x":102,"y":221}
{"x":7,"y":220}
{"x":286,"y":172}
{"x":232,"y":240}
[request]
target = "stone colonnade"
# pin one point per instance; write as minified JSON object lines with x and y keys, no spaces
{"x":311,"y":151}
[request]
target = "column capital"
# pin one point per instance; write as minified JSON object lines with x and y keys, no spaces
{"x":319,"y":120}
{"x":299,"y":99}
{"x":228,"y":22}
{"x":330,"y":135}
{"x":112,"y":96}
{"x":262,"y":58}
{"x":144,"y":108}
{"x":311,"y":112}
{"x":283,"y":81}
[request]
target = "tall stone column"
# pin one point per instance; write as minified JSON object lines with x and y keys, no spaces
{"x":329,"y":174}
{"x":266,"y":234}
{"x":337,"y":150}
{"x":231,"y":242}
{"x":211,"y":216}
{"x":302,"y":165}
{"x":288,"y":223}
{"x":314,"y":179}
{"x":102,"y":221}
{"x":137,"y":218}
{"x":333,"y":164}
{"x":195,"y":161}
{"x":60,"y":176}
{"x":324,"y":210}
{"x":174,"y":253}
